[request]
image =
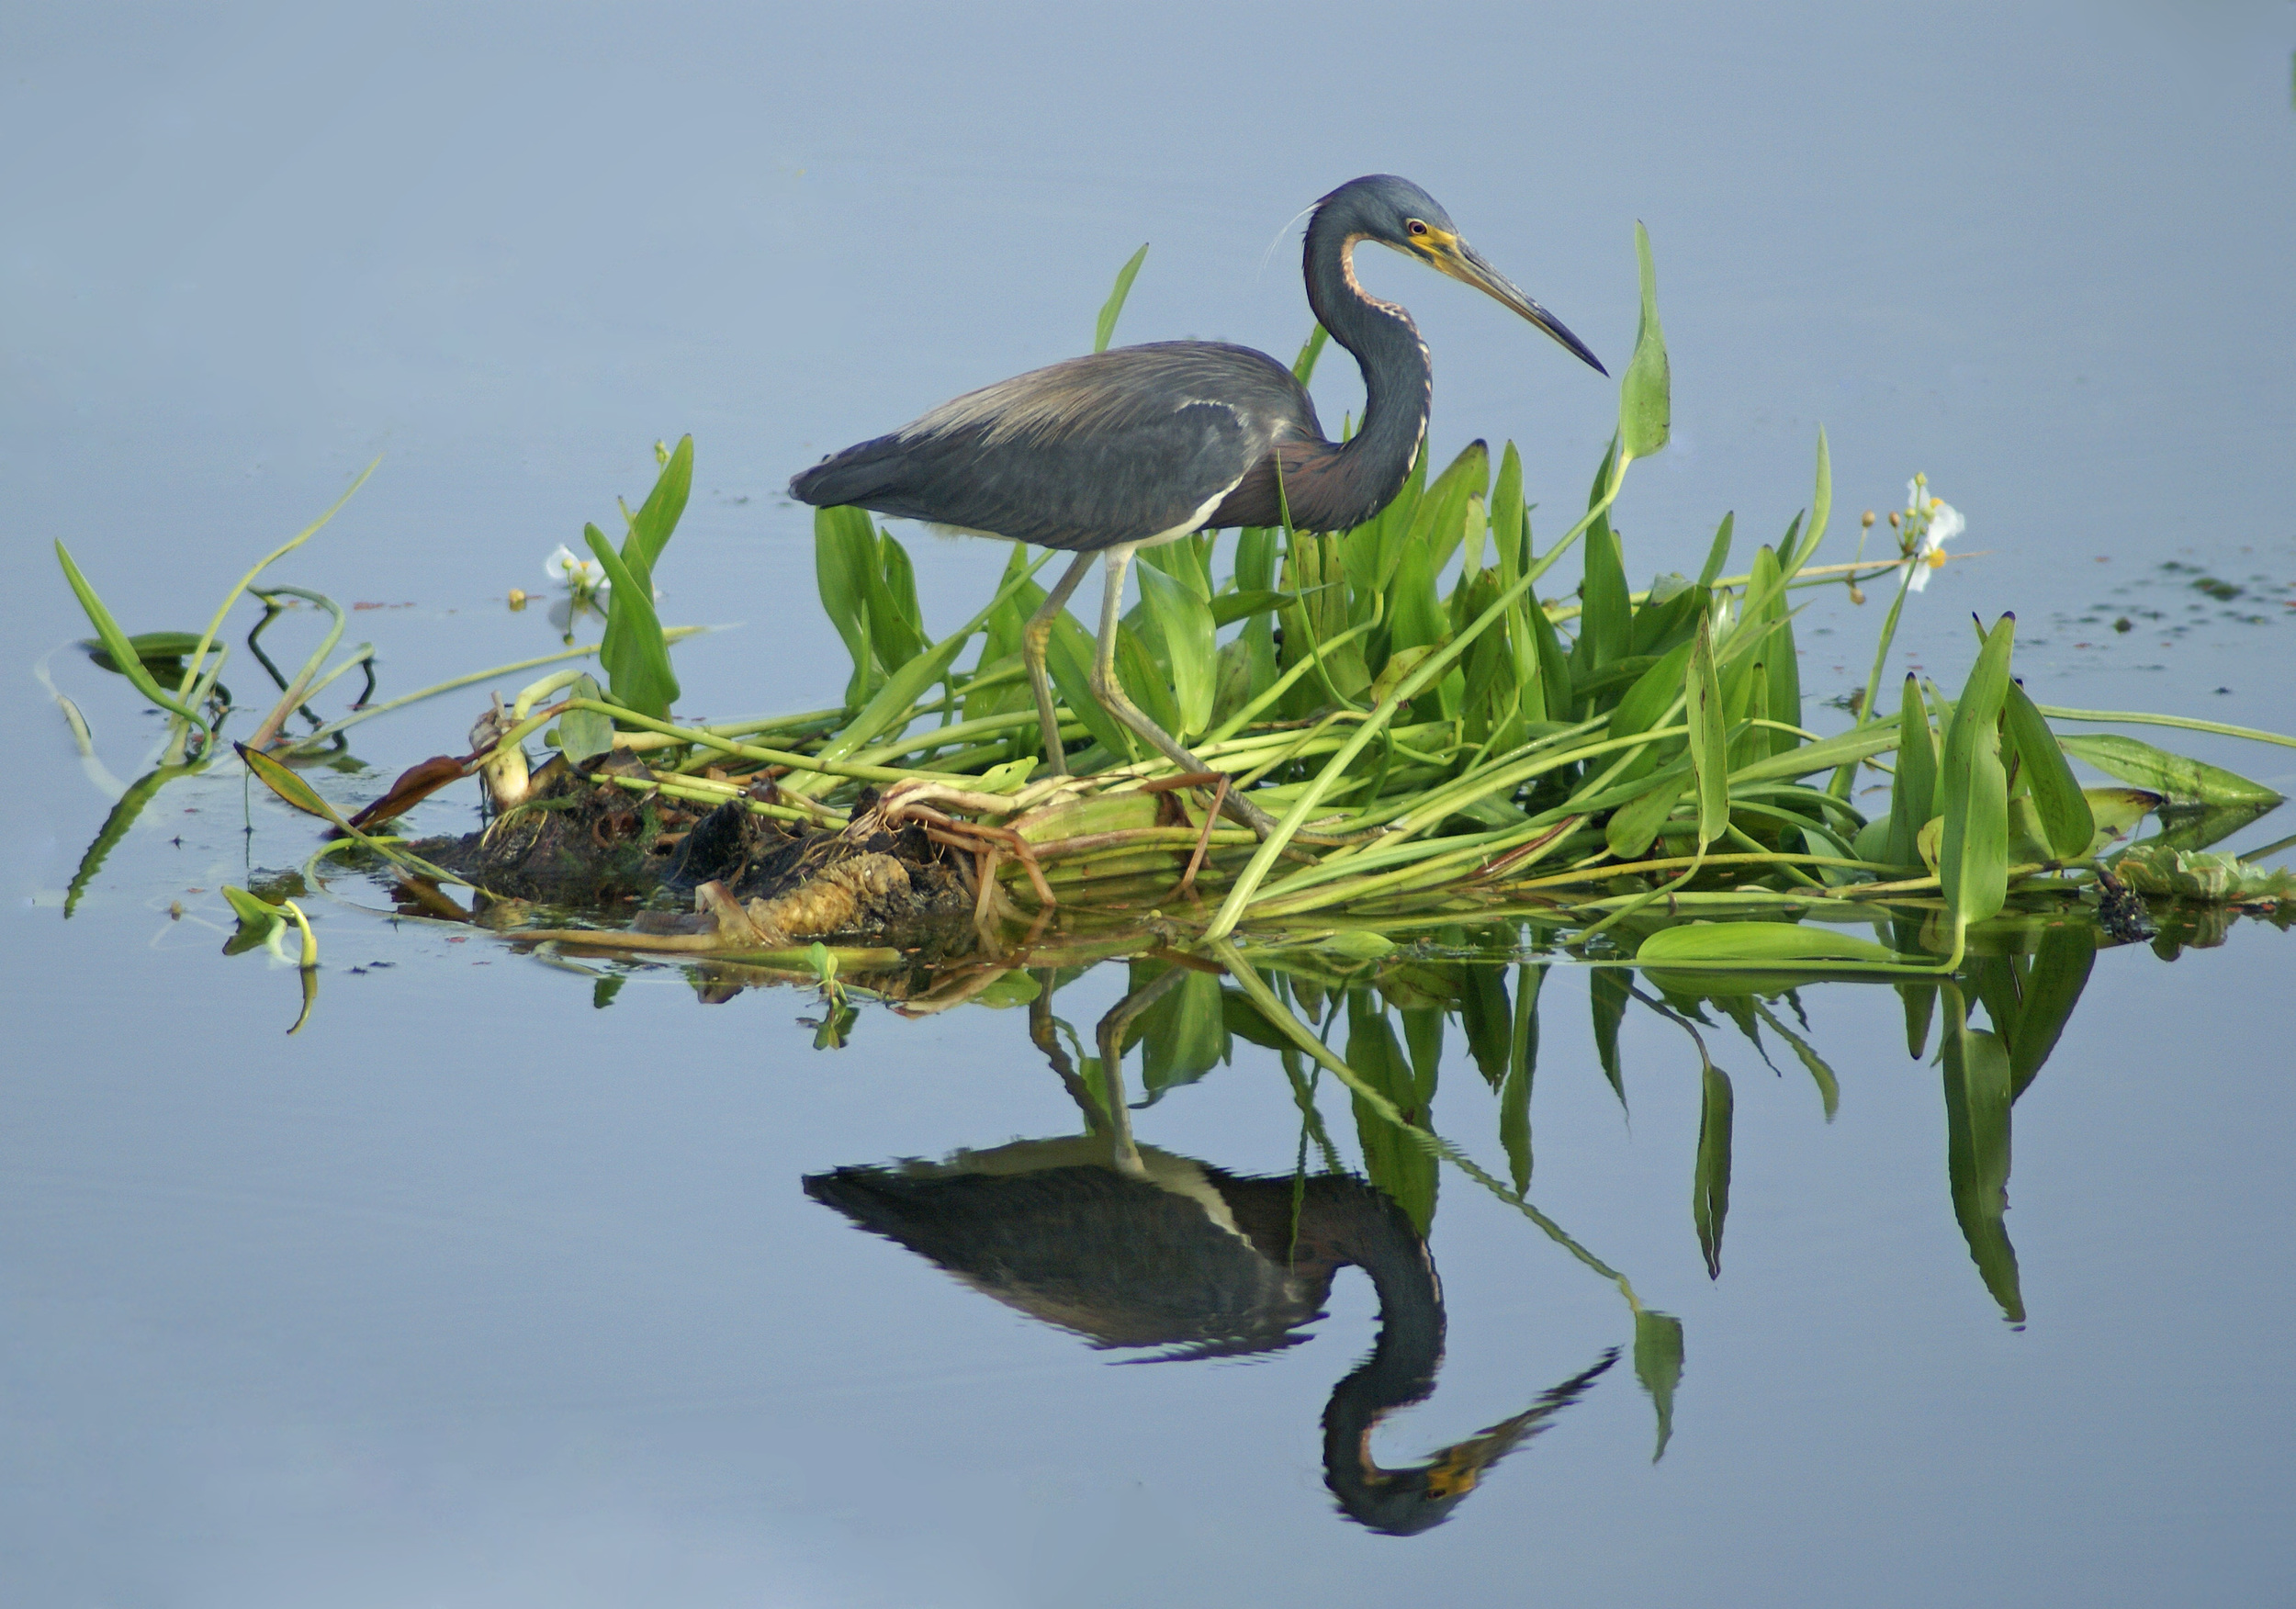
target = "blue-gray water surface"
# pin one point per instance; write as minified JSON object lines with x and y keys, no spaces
{"x":475,"y":1293}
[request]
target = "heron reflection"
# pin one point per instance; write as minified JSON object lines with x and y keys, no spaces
{"x":1137,"y":1248}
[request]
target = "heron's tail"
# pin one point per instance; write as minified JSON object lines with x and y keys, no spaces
{"x":857,"y":475}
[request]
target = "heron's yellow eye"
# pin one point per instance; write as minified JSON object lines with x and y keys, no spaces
{"x":1415,"y":227}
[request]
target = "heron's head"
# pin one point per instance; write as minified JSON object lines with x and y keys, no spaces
{"x":1399,"y":214}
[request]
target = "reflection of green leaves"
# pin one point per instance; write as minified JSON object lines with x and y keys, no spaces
{"x":1184,"y":1035}
{"x":1399,"y":1165}
{"x":1608,"y":990}
{"x":121,"y":816}
{"x":1659,"y":1366}
{"x":2182,"y":781}
{"x":1753,"y":943}
{"x":1710,"y":1186}
{"x":1514,"y":1092}
{"x":1977,"y":1150}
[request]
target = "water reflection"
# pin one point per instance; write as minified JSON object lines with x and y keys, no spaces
{"x":1134,"y":1247}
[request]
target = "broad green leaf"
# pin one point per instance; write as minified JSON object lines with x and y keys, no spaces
{"x":1972,"y":789}
{"x":1303,"y":366}
{"x":2184,"y":782}
{"x":1718,"y":555}
{"x":1507,"y":522}
{"x":651,"y":526}
{"x":1913,"y":796}
{"x":584,"y":733}
{"x":1633,"y":825}
{"x":837,"y":577}
{"x":1645,"y":408}
{"x":1659,"y":1366}
{"x":1710,"y":1184}
{"x":1978,"y":1150}
{"x":1438,"y":523}
{"x":1709,"y":738}
{"x":896,"y":626}
{"x":158,"y":650}
{"x":1605,"y":618}
{"x":1186,"y":622}
{"x":637,"y":662}
{"x":118,"y":645}
{"x":1228,"y":608}
{"x":1146,"y":681}
{"x":1105,"y":329}
{"x":1644,"y":707}
{"x":2065,"y":815}
{"x":1757,"y":943}
{"x":282,"y":779}
{"x":1069,"y":658}
{"x":258,"y":919}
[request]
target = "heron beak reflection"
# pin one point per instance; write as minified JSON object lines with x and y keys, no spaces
{"x":1446,"y":253}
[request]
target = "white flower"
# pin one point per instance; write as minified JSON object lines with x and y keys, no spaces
{"x":1940,"y":523}
{"x":582,"y":577}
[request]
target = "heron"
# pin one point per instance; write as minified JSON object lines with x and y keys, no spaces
{"x":1120,"y":450}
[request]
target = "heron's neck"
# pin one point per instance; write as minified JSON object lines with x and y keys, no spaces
{"x":1397,"y":377}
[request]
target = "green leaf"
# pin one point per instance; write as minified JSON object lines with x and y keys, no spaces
{"x":1106,"y":328}
{"x":1821,"y":508}
{"x":1645,"y":408}
{"x":2064,"y":814}
{"x":583,"y":733}
{"x":158,"y":650}
{"x":117,"y":821}
{"x":1659,"y":1366}
{"x":1710,"y":1183}
{"x":1507,"y":522}
{"x":651,"y":526}
{"x":1913,"y":794}
{"x":118,"y":645}
{"x":838,"y":578}
{"x":2060,"y":971}
{"x":1757,"y":944}
{"x":1709,"y":738}
{"x":1978,"y":1150}
{"x":258,"y":921}
{"x":1605,"y":619}
{"x":1718,"y":555}
{"x":896,"y":626}
{"x":2184,"y":782}
{"x":1633,"y":825}
{"x":1303,"y":366}
{"x":1229,"y":607}
{"x":1186,"y":622}
{"x":282,"y":779}
{"x":1397,"y":1164}
{"x":1973,"y":847}
{"x":637,"y":660}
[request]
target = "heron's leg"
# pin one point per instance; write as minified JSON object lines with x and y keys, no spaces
{"x":1034,"y":638}
{"x":1111,"y":693}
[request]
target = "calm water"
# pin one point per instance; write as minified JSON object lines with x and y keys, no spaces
{"x":475,"y":1293}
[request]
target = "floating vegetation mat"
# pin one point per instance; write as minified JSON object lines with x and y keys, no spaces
{"x":1444,"y":729}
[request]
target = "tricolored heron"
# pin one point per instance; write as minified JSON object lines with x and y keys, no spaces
{"x":1123,"y":449}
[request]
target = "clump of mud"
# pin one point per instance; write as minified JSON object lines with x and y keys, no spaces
{"x":583,"y":840}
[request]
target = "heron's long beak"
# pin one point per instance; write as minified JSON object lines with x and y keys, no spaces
{"x":1466,"y":265}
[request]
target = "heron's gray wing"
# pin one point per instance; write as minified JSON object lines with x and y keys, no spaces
{"x":1115,"y":447}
